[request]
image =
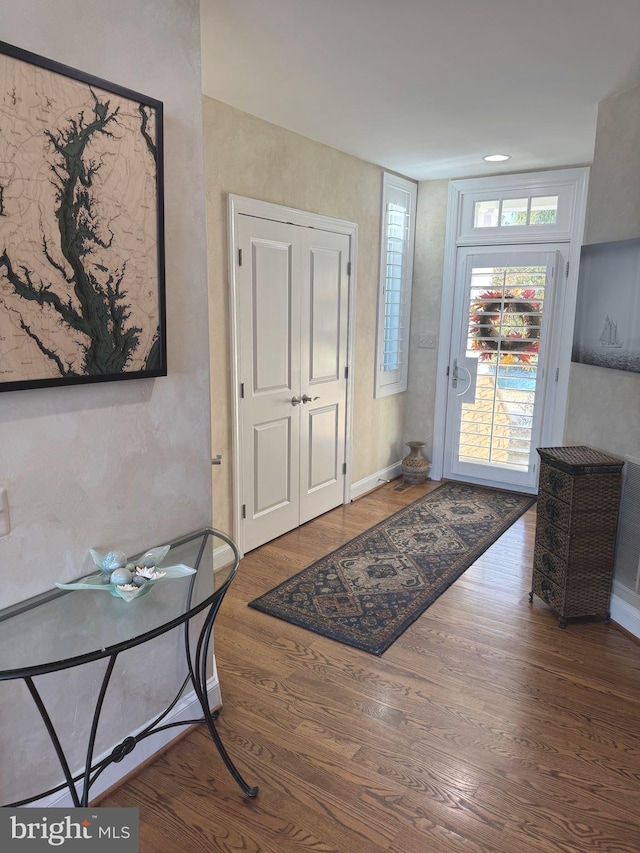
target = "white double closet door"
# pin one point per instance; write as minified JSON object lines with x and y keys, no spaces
{"x":292,"y":300}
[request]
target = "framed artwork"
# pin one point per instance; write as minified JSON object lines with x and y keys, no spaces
{"x":607,"y":327}
{"x":82,"y":291}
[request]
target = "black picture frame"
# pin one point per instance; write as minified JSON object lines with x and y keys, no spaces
{"x":82,"y":266}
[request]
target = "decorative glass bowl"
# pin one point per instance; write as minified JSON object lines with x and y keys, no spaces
{"x":128,"y":580}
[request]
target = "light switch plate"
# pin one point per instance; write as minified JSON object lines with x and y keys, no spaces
{"x":427,"y":341}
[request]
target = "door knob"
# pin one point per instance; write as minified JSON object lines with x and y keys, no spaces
{"x":295,"y":401}
{"x":307,"y":399}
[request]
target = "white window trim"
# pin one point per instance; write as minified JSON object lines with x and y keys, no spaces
{"x":394,"y":382}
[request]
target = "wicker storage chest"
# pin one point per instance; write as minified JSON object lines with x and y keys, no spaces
{"x":577,"y":517}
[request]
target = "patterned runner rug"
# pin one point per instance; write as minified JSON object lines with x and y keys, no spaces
{"x":367,"y":592}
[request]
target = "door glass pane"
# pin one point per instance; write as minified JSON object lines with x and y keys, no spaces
{"x":485,"y":214}
{"x":514,"y":211}
{"x":544,"y":210}
{"x":505,"y":315}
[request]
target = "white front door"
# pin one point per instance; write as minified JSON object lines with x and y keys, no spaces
{"x":292,"y":328}
{"x":498,"y":373}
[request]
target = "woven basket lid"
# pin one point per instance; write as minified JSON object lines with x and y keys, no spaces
{"x":581,"y":459}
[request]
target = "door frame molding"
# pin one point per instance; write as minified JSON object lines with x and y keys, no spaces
{"x":241,"y":205}
{"x":564,"y":309}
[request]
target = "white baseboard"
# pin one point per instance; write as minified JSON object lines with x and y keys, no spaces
{"x":373,"y":480}
{"x":188,"y":708}
{"x":625,"y":615}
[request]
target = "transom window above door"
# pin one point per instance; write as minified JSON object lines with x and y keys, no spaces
{"x":521,"y":211}
{"x":510,"y":212}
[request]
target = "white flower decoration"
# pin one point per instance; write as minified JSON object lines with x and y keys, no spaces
{"x":149,"y":573}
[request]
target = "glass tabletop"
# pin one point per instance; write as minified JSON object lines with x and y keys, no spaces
{"x":63,"y":628}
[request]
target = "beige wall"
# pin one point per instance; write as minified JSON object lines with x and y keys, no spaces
{"x":247,"y":156}
{"x":613,"y":209}
{"x":425,"y":310}
{"x":604,"y":405}
{"x":121,"y":464}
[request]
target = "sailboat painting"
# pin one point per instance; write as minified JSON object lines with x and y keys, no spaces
{"x":607,"y":327}
{"x":609,"y":336}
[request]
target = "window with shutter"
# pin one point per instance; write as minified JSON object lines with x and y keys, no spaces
{"x":396,"y":270}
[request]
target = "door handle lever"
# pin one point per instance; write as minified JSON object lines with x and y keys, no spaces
{"x":307,"y":399}
{"x":456,"y":375}
{"x":295,"y":401}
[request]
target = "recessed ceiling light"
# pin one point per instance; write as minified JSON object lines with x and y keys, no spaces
{"x":496,"y":158}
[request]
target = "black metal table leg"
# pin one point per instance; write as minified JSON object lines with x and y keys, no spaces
{"x":199,"y":673}
{"x":46,"y":719}
{"x":94,"y":730}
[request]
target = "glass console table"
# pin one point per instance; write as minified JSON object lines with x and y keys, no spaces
{"x":61,"y":629}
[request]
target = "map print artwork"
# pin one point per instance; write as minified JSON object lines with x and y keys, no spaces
{"x":80,"y":271}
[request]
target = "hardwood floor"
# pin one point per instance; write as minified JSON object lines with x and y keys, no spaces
{"x":485,"y":728}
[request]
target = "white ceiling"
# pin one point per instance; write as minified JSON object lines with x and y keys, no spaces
{"x":427,"y":87}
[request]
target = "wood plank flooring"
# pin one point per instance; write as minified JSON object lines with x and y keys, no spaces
{"x":485,"y":728}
